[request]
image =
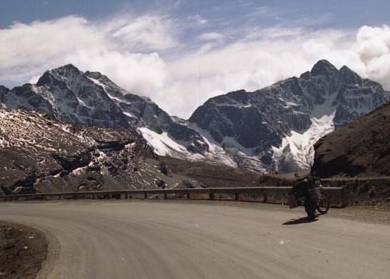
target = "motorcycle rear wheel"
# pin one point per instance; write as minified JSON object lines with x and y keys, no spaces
{"x":324,"y":204}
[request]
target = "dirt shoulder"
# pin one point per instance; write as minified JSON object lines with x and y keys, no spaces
{"x":367,"y":214}
{"x":22,"y":251}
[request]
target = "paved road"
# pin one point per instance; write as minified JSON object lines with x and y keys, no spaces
{"x":200,"y":240}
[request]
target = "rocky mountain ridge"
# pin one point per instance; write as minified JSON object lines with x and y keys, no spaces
{"x":90,"y":98}
{"x":271,"y":129}
{"x":277,"y":126}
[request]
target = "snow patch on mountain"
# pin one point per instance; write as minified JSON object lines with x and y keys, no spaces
{"x":98,"y":83}
{"x":129,"y":114}
{"x":215,"y":152}
{"x":162,"y":144}
{"x":299,"y":146}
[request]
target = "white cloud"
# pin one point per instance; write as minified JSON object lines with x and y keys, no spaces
{"x":197,"y":19}
{"x":145,"y":33}
{"x":132,"y":52}
{"x":253,"y":64}
{"x":210,"y":36}
{"x":275,"y":32}
{"x":264,"y":56}
{"x":374,"y":49}
{"x":139,"y":73}
{"x":112,"y":47}
{"x":34,"y":43}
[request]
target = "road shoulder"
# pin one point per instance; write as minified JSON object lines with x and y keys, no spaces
{"x":22,"y":251}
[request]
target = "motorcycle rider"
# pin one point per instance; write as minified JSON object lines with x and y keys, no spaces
{"x":309,"y":189}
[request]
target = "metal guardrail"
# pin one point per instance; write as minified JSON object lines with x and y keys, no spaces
{"x":262,"y":193}
{"x":358,"y":178}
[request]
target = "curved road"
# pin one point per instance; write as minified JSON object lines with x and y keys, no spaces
{"x":134,"y":239}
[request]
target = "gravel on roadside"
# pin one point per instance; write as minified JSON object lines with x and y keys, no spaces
{"x":22,"y":251}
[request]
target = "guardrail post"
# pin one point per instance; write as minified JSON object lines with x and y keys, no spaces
{"x":188,"y":196}
{"x":165,"y":196}
{"x":211,"y":196}
{"x":126,"y":196}
{"x":145,"y":196}
{"x":237,"y":196}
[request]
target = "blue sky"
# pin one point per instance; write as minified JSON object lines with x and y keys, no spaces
{"x":192,"y":50}
{"x":335,"y":13}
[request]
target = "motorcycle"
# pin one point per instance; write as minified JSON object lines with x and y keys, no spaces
{"x":314,"y":200}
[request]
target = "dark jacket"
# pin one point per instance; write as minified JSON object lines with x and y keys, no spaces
{"x":306,"y":188}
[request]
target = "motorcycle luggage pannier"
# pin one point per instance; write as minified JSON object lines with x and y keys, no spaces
{"x":292,"y":201}
{"x":315,"y":194}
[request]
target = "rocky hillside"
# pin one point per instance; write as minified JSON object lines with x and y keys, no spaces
{"x":40,"y":154}
{"x":275,"y":128}
{"x":361,"y":148}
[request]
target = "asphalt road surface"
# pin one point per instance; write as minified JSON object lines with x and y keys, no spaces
{"x":134,"y":239}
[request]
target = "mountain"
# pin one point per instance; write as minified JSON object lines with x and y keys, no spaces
{"x":275,"y":128}
{"x":361,"y":148}
{"x":90,"y":98}
{"x":271,"y":129}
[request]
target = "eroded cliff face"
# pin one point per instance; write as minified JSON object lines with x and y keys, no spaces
{"x":361,"y":148}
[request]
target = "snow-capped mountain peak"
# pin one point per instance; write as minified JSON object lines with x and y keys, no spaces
{"x":279,"y":124}
{"x":91,"y":98}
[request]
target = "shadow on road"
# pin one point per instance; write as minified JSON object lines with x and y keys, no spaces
{"x":298,"y":221}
